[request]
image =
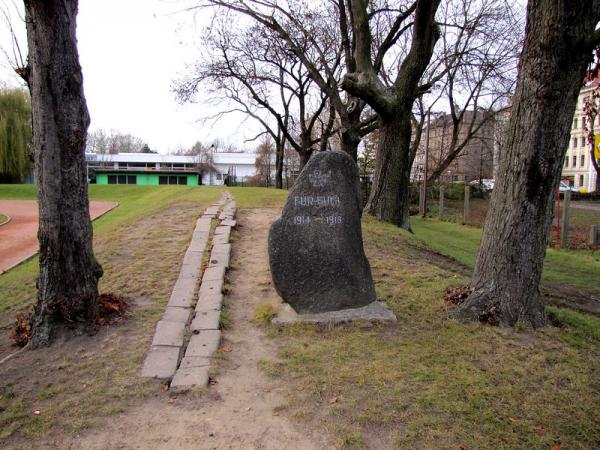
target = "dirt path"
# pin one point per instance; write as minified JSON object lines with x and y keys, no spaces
{"x":237,"y":412}
{"x":18,"y":238}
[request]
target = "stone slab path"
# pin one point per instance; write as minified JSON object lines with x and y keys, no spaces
{"x":240,"y":410}
{"x":174,"y":358}
{"x":18,"y":238}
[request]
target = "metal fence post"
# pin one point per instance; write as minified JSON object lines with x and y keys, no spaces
{"x":564,"y":226}
{"x":466,"y":210}
{"x":441,"y":209}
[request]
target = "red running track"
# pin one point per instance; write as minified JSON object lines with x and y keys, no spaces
{"x":18,"y":237}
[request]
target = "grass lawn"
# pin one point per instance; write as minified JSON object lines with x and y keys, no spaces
{"x":577,"y":268}
{"x":426,"y":382}
{"x":432,"y":383}
{"x":140,"y":245}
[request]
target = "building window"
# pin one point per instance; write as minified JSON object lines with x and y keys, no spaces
{"x":582,"y":161}
{"x":580,"y":180}
{"x":219,"y":177}
{"x":574,"y":142}
{"x":566,"y":161}
{"x":582,"y":141}
{"x":122,"y":179}
{"x":574,"y":160}
{"x":173,"y":179}
{"x":583,"y":123}
{"x":575,"y":122}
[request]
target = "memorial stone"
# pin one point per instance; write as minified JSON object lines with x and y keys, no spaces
{"x":315,"y":248}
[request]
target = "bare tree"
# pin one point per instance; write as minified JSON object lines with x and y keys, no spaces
{"x":266,"y":82}
{"x":393,"y":102}
{"x":320,"y":37}
{"x":478,"y":55}
{"x":69,"y":272}
{"x":559,"y":39}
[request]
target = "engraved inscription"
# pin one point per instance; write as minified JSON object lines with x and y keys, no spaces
{"x":318,"y":178}
{"x":318,"y":200}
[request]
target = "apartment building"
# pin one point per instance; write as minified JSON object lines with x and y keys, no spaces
{"x":578,"y":169}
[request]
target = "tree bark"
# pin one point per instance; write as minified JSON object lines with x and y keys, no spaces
{"x":389,"y":199}
{"x":69,"y":272}
{"x":304,"y":157}
{"x":558,"y":45}
{"x":279,"y":165}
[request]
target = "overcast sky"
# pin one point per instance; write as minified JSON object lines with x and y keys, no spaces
{"x":130,"y":52}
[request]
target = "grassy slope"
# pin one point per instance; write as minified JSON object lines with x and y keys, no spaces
{"x":140,"y":245}
{"x":578,"y":268}
{"x":135,"y":203}
{"x":429,"y":382}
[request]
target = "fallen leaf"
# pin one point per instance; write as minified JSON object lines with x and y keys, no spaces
{"x":299,"y":387}
{"x":513,"y":420}
{"x":463,"y":447}
{"x":37,"y":412}
{"x":226,"y":349}
{"x":333,"y":400}
{"x":555,"y":447}
{"x":538,"y":430}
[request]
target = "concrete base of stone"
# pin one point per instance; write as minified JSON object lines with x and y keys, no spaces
{"x":376,"y":311}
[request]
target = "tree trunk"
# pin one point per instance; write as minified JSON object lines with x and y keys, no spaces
{"x":69,"y":272}
{"x":304,"y":157}
{"x":389,"y":199}
{"x":349,"y":142}
{"x":279,"y":165}
{"x":558,"y":45}
{"x":350,"y":132}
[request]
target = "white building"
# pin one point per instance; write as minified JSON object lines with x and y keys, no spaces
{"x":239,"y":166}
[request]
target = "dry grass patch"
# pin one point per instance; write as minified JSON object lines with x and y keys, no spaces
{"x":75,"y":384}
{"x":430,"y":382}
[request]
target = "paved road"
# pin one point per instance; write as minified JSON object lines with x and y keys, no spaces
{"x":18,"y":238}
{"x":592,"y":206}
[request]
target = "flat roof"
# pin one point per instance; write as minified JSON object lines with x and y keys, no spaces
{"x":228,"y":158}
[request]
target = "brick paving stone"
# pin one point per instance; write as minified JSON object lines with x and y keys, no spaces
{"x":194,"y":361}
{"x":186,"y":379}
{"x":198,"y":245}
{"x":161,"y":362}
{"x":190,"y":270}
{"x":213,"y":273}
{"x":176,"y":314}
{"x":220,"y":239}
{"x":206,"y":320}
{"x":169,"y":334}
{"x":181,"y":298}
{"x":211,"y":287}
{"x":204,"y":343}
{"x":229,"y":223}
{"x":209,"y":302}
{"x":193,"y":257}
{"x":221,"y":230}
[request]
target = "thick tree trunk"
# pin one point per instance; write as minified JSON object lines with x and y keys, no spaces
{"x":350,"y":133}
{"x":389,"y":199}
{"x":349,"y":142}
{"x":69,"y":273}
{"x":304,"y":157}
{"x":558,"y":45}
